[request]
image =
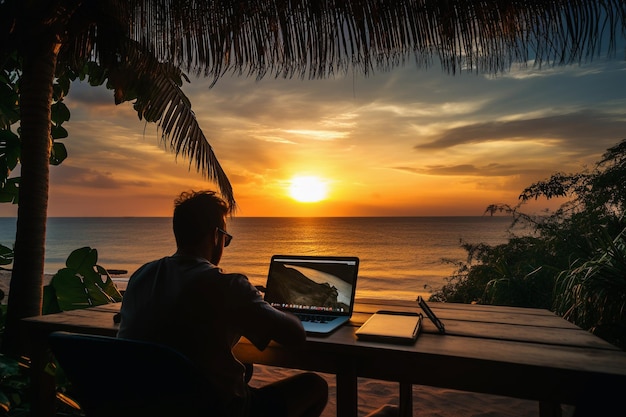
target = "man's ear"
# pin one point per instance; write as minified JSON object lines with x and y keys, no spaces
{"x":216,"y":237}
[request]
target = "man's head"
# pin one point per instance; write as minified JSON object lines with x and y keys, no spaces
{"x":199,"y":223}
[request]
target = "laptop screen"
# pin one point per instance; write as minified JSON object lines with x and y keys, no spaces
{"x":319,"y":284}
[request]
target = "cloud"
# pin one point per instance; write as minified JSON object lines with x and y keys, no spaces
{"x":465,"y":170}
{"x":90,"y":178}
{"x":81,"y":92}
{"x":321,"y":135}
{"x":405,"y":133}
{"x":579,"y":131}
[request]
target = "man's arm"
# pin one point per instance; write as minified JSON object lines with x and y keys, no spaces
{"x":267,"y":323}
{"x":260,"y":322}
{"x":288,"y":329}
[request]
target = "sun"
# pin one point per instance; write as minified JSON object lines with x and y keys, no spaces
{"x":308,"y":189}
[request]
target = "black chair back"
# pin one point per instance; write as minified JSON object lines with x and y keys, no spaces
{"x":121,"y":377}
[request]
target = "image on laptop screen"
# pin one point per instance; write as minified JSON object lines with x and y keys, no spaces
{"x":320,"y":284}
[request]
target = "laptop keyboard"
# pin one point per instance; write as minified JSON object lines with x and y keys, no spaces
{"x":313,"y":318}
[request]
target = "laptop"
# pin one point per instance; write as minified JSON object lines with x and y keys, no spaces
{"x":318,"y":289}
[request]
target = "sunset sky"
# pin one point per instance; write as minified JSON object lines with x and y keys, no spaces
{"x":410,"y":142}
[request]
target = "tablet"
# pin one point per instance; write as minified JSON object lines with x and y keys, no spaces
{"x":391,"y":327}
{"x":431,"y":315}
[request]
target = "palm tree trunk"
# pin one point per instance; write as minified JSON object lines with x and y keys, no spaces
{"x":26,"y":289}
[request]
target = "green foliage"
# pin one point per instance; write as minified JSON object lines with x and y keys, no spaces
{"x":572,"y":261}
{"x":6,"y":256}
{"x":14,"y":384}
{"x":9,"y":156}
{"x":592,"y":292}
{"x":9,"y":92}
{"x":10,"y":142}
{"x":83,"y":283}
{"x":15,"y":388}
{"x":502,"y":275}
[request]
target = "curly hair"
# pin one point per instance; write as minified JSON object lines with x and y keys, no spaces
{"x":196,"y":214}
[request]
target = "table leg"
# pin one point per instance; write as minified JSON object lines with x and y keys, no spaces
{"x":549,"y":409}
{"x":347,"y":391}
{"x":406,"y":400}
{"x":42,"y":383}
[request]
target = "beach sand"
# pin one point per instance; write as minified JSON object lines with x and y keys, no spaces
{"x":427,"y":401}
{"x":373,"y":394}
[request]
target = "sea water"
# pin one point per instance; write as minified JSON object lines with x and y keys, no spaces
{"x":400,"y":257}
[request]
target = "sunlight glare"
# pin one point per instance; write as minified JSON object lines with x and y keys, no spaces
{"x":307,"y":189}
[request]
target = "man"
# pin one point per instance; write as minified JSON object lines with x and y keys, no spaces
{"x":187,"y":302}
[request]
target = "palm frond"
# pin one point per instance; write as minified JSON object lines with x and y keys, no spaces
{"x":135,"y":74}
{"x":318,"y":38}
{"x":159,"y":98}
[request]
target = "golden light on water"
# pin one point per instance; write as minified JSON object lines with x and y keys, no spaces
{"x":308,"y":189}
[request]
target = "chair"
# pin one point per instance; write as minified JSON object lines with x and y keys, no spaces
{"x":121,"y":377}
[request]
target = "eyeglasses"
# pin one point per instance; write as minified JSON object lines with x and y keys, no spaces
{"x":227,"y":237}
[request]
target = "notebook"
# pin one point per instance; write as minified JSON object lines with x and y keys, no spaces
{"x":391,"y":327}
{"x":318,"y":289}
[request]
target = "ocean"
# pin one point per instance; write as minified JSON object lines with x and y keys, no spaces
{"x":400,"y":257}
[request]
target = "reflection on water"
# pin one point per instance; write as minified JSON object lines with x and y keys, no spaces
{"x":400,"y":256}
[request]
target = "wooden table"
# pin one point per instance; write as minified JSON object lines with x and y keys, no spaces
{"x":517,"y":352}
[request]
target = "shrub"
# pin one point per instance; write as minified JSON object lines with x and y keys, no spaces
{"x":572,"y":261}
